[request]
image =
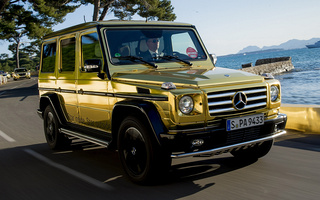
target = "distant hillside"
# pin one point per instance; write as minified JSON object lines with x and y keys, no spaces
{"x":291,"y":44}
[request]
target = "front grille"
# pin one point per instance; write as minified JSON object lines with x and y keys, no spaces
{"x":220,"y":103}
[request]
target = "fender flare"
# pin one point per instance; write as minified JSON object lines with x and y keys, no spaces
{"x":147,"y":109}
{"x":53,"y":100}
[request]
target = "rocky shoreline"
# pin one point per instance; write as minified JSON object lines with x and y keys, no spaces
{"x":269,"y":65}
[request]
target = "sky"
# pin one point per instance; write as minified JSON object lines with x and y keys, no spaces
{"x":228,"y":26}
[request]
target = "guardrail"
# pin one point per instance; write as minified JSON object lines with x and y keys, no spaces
{"x":305,"y":118}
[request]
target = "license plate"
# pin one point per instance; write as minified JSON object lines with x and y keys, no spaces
{"x":245,"y":122}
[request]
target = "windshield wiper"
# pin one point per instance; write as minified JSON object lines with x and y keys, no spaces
{"x":168,"y":57}
{"x":133,"y":58}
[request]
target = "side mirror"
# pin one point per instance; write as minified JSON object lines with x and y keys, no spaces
{"x":213,"y":58}
{"x":92,"y":65}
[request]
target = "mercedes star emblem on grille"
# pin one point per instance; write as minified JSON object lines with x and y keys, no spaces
{"x":239,"y":100}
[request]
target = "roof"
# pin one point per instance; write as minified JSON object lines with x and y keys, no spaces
{"x":113,"y":23}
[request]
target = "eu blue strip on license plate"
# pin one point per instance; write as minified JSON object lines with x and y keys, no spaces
{"x":245,"y":122}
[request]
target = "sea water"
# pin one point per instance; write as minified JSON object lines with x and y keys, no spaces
{"x":298,"y":86}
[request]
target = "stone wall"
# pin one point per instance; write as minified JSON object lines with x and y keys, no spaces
{"x":270,"y":65}
{"x":272,"y":60}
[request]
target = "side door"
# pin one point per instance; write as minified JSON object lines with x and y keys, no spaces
{"x":93,"y":100}
{"x":66,"y":76}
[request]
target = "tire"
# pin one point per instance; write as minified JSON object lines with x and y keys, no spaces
{"x":255,"y":152}
{"x":141,"y":156}
{"x":55,"y":139}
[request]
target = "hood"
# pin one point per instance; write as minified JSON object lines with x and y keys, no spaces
{"x":189,"y":77}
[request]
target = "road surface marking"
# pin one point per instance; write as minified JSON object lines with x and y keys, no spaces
{"x":18,"y":86}
{"x":6,"y":137}
{"x":69,"y":170}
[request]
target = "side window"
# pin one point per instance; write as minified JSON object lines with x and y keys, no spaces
{"x":68,"y":53}
{"x":91,"y":53}
{"x":48,"y":57}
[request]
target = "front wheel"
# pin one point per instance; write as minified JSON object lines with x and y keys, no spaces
{"x":255,"y":152}
{"x":140,"y":155}
{"x":55,"y":139}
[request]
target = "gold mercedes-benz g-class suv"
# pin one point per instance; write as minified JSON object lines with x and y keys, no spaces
{"x":151,"y":91}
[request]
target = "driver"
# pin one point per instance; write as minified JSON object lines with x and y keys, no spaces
{"x":153,"y":49}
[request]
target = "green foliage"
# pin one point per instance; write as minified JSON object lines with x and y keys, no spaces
{"x":9,"y":64}
{"x":125,"y":9}
{"x":32,"y":19}
{"x":148,"y":9}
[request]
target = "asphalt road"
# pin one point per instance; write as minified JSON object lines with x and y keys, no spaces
{"x":30,"y":170}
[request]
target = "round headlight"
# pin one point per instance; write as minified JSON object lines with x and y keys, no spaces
{"x":274,"y":93}
{"x":186,"y":104}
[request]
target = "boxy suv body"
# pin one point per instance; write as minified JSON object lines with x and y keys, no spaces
{"x":99,"y":82}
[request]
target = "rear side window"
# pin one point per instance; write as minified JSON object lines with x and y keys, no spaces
{"x":68,"y":53}
{"x":48,"y":57}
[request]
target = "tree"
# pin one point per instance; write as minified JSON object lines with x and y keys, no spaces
{"x":32,"y":19}
{"x":156,"y":9}
{"x":3,"y":4}
{"x":100,"y":7}
{"x":125,"y":9}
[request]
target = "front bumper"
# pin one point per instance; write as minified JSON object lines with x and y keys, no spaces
{"x":218,"y":140}
{"x":229,"y":148}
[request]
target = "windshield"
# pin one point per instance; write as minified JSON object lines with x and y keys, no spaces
{"x":127,"y":46}
{"x":20,"y":70}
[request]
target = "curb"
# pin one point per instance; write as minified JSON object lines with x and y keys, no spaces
{"x":304,"y":118}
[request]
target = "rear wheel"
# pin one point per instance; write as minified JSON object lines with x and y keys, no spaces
{"x":55,"y":139}
{"x":255,"y":152}
{"x":141,"y":156}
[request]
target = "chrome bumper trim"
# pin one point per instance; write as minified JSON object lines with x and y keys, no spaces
{"x":229,"y":148}
{"x":85,"y":137}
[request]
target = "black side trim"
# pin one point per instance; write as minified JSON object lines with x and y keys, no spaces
{"x":139,"y":97}
{"x":95,"y":93}
{"x":57,"y":90}
{"x":67,"y":91}
{"x":46,"y":89}
{"x":152,"y":98}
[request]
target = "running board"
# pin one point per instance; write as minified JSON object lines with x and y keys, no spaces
{"x":85,"y":137}
{"x":229,"y":148}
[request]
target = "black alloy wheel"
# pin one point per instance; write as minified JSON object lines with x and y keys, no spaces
{"x":55,"y":139}
{"x":140,"y":155}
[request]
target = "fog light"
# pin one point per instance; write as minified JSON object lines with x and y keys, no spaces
{"x":197,"y":142}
